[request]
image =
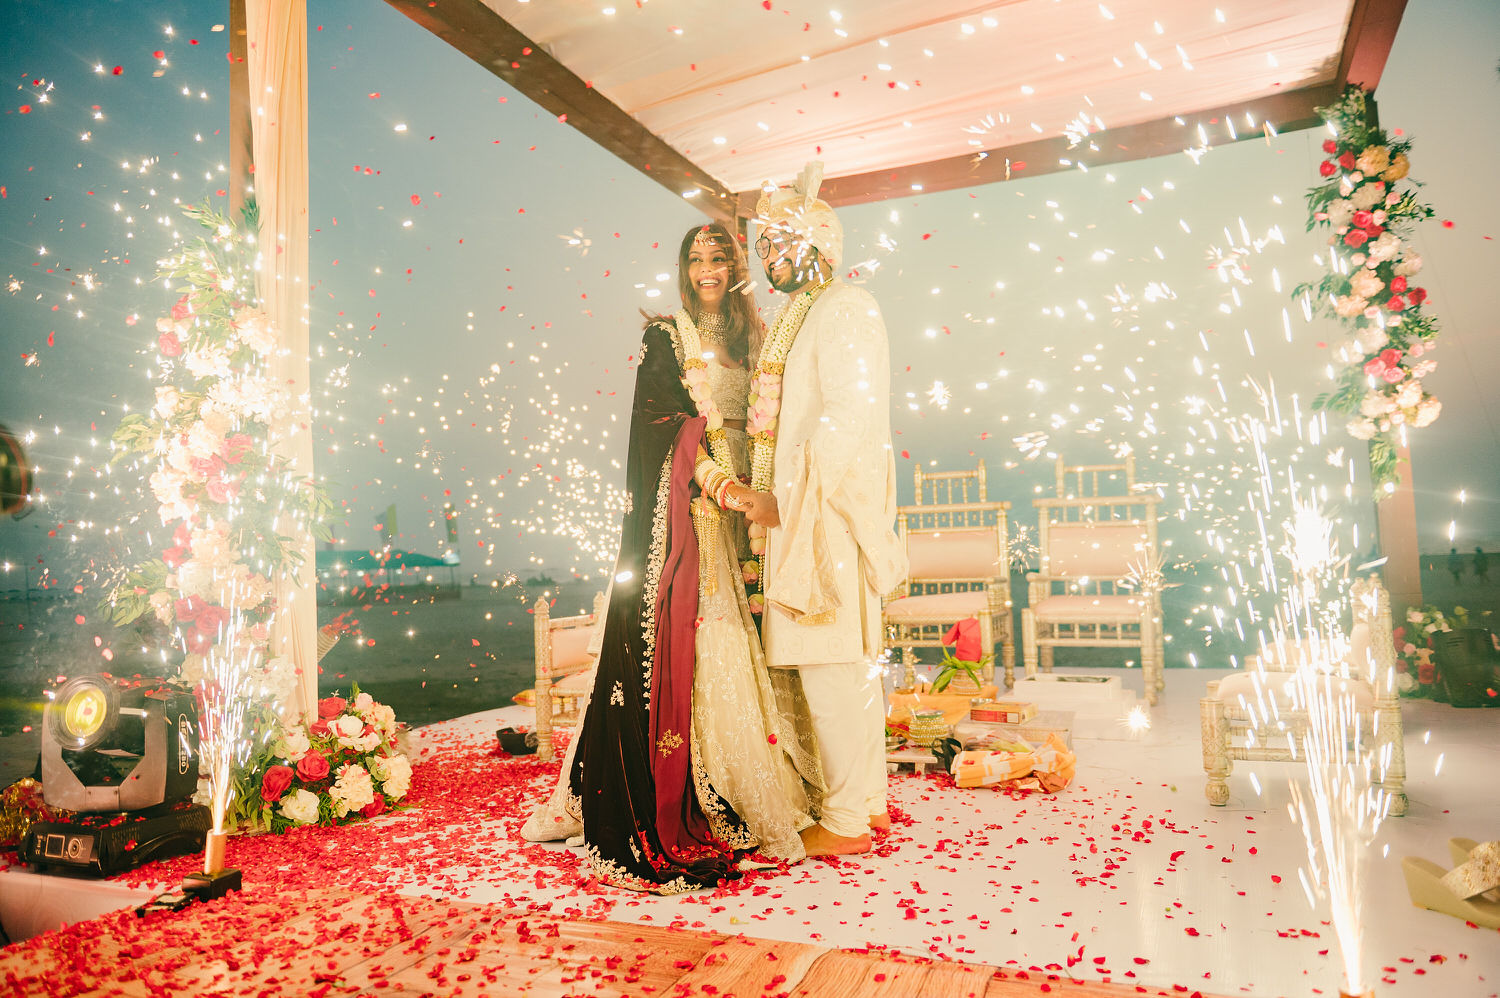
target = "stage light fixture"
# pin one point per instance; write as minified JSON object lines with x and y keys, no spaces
{"x":117,"y":744}
{"x":121,"y":754}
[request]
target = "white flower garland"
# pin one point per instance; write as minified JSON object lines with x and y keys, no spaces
{"x":695,"y":378}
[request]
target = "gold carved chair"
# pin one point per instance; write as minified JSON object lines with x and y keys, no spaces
{"x":940,"y":488}
{"x":564,"y":668}
{"x":1099,"y":580}
{"x":960,"y":568}
{"x":1258,"y":715}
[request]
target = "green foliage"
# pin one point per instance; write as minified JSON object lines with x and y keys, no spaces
{"x":950,"y":667}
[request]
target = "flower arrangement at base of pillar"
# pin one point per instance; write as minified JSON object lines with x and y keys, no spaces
{"x":1416,"y":672}
{"x":236,"y":514}
{"x":1372,"y":283}
{"x":345,"y":766}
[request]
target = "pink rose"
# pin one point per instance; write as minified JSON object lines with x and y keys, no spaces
{"x":375,"y":807}
{"x":1394,"y":375}
{"x":1347,"y":161}
{"x":1363,"y":219}
{"x":1330,"y":146}
{"x":275,"y":782}
{"x":182,"y":309}
{"x":1417,"y":296}
{"x":188,"y":609}
{"x":169,"y":345}
{"x":1327,"y":169}
{"x":312,"y":767}
{"x":174,"y":556}
{"x":1356,"y":238}
{"x":1390,"y":357}
{"x":331,"y":707}
{"x":1398,"y":285}
{"x":1396,"y":303}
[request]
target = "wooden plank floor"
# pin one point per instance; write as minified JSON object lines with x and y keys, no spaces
{"x":336,"y":942}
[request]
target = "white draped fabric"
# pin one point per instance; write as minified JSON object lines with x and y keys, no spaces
{"x":748,"y":91}
{"x":276,"y":53}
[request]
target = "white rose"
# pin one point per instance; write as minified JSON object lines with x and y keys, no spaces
{"x":255,"y":330}
{"x":293,"y":744}
{"x":1370,"y":338}
{"x":1385,"y":247}
{"x":179,"y":458}
{"x":353,"y":790}
{"x":346,"y":727}
{"x":191,"y":671}
{"x":1409,"y":395}
{"x":1340,"y":214}
{"x":1409,"y":265}
{"x":1360,"y":429}
{"x":1427,"y":413}
{"x":1366,"y":283}
{"x":196,"y":578}
{"x":394,"y":774}
{"x":161,"y":604}
{"x":1348,"y":306}
{"x":167,"y":399}
{"x":363,"y":703}
{"x":208,"y":362}
{"x":1367,"y":196}
{"x":1405,"y":683}
{"x":1423,"y":368}
{"x":301,"y":806}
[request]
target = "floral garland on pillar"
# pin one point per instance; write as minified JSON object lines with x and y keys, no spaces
{"x":1371,"y":285}
{"x":231,"y":510}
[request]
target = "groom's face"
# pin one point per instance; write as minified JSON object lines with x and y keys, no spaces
{"x":790,"y":260}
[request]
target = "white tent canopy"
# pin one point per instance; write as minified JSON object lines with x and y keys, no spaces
{"x":892,"y":94}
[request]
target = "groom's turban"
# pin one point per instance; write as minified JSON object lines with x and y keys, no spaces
{"x":798,"y":209}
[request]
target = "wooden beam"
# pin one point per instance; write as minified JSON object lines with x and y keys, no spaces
{"x":1368,"y":39}
{"x":1285,"y":111}
{"x":492,"y":42}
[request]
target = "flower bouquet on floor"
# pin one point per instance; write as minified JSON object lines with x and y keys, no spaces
{"x":346,"y":765}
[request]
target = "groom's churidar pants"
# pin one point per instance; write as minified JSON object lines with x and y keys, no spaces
{"x":847,"y":704}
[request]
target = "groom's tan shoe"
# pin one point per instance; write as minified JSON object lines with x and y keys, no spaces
{"x":819,"y":841}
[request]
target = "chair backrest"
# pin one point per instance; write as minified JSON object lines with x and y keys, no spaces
{"x":955,"y":541}
{"x":562,"y":643}
{"x":938,"y":488}
{"x":1109,"y":549}
{"x":1080,"y":481}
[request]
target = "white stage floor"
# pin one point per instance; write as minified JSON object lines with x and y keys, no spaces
{"x":1128,"y":874}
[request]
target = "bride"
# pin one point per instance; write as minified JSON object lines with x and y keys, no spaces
{"x":687,"y":754}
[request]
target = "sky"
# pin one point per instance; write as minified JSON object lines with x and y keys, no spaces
{"x":477,"y":271}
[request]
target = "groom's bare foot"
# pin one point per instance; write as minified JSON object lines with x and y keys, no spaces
{"x":819,"y":841}
{"x":880,"y":822}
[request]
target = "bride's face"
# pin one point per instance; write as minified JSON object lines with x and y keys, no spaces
{"x":708,"y":271}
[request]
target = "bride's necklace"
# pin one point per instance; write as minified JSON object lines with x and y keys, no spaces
{"x":695,"y":378}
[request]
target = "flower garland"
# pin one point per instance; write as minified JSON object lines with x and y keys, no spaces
{"x":765,"y":407}
{"x":1370,"y":286}
{"x":695,"y":377}
{"x":234,"y":509}
{"x":346,"y":765}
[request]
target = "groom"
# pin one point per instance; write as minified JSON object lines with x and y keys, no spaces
{"x":830,"y":551}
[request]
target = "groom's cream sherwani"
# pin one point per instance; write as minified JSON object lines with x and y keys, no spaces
{"x":835,"y":551}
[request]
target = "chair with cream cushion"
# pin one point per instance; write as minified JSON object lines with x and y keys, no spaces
{"x":959,"y":568}
{"x":564,"y":668}
{"x":1255,"y":714}
{"x":1098,"y":585}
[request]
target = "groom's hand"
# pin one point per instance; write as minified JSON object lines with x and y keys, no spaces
{"x":760,"y":507}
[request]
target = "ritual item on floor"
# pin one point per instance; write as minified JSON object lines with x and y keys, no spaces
{"x":988,"y":736}
{"x":926,"y":726}
{"x":1002,"y":711}
{"x":955,"y":706}
{"x":516,"y":742}
{"x":1049,"y":767}
{"x":1466,"y":891}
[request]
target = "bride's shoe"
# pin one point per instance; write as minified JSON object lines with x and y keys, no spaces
{"x":1424,"y":883}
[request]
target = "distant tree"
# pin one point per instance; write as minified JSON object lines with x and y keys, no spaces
{"x":541,"y":582}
